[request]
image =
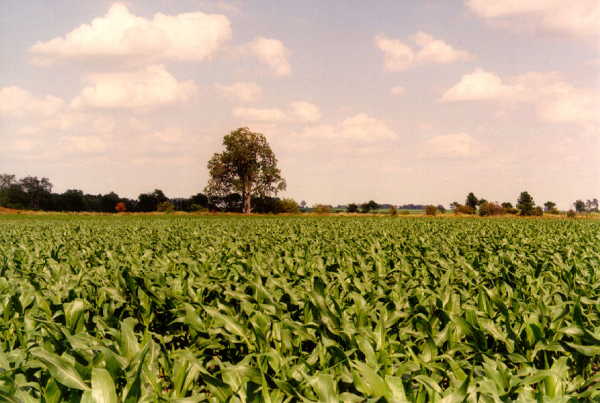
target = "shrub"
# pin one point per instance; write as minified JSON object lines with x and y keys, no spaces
{"x":288,"y":206}
{"x":166,"y":207}
{"x":393,"y":211}
{"x":511,"y":210}
{"x":322,"y":209}
{"x":537,"y":211}
{"x":197,"y":207}
{"x":352,"y":208}
{"x":489,"y":209}
{"x":430,"y":210}
{"x":462,"y":209}
{"x":571,"y":214}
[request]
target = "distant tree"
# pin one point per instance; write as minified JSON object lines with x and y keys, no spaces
{"x":507,"y":205}
{"x":109,"y":201}
{"x":537,"y":211}
{"x":441,"y":208}
{"x":165,"y":206}
{"x":73,"y":200}
{"x":352,"y":208}
{"x":579,"y":206}
{"x":248,"y":166}
{"x":550,"y":207}
{"x":393,"y":211}
{"x":6,"y":181}
{"x":200,"y":200}
{"x":430,"y":210}
{"x":481,"y":201}
{"x":150,"y":201}
{"x":36,"y":190}
{"x":303,"y":204}
{"x":525,"y":204}
{"x":471,"y":201}
{"x":571,"y":214}
{"x":454,"y":205}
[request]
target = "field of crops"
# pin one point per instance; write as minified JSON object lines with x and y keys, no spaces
{"x":327,"y":309}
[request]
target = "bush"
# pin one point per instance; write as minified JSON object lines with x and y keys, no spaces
{"x":430,"y":210}
{"x":571,"y":214}
{"x":352,"y":208}
{"x":462,"y":209}
{"x":322,"y":209}
{"x":511,"y":210}
{"x":197,"y":207}
{"x":490,"y":209}
{"x":166,"y":207}
{"x":393,"y":211}
{"x":288,"y":206}
{"x":537,"y":211}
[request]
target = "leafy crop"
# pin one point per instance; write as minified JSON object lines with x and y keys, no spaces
{"x":328,"y":309}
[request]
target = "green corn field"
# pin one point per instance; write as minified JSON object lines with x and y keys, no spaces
{"x":302,"y":309}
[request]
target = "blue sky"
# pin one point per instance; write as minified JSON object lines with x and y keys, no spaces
{"x":399,"y":102}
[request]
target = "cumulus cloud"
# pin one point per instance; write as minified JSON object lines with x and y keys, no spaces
{"x":189,"y":36}
{"x":241,"y":91}
{"x":18,"y":102}
{"x":146,"y":88}
{"x":305,"y":111}
{"x":399,"y":56}
{"x":452,"y":146}
{"x":273,"y":53}
{"x":298,"y":111}
{"x":360,"y":127}
{"x":554,"y":99}
{"x":479,"y":85}
{"x":576,"y":17}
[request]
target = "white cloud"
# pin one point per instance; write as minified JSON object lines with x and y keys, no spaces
{"x":17,"y":102}
{"x":555,"y":100}
{"x":479,"y":85}
{"x":259,"y":114}
{"x":397,"y":90}
{"x":452,"y":146}
{"x":297,"y":112}
{"x":189,"y":36}
{"x":273,"y":53}
{"x":305,"y":111}
{"x":575,"y":17}
{"x":399,"y":56}
{"x":360,"y":128}
{"x":241,"y":91}
{"x":150,"y":87}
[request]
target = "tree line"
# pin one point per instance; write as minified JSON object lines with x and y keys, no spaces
{"x":244,"y":177}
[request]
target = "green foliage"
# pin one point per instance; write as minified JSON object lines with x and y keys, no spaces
{"x":288,"y":206}
{"x":472,"y":201}
{"x":166,"y":207}
{"x":525,"y":204}
{"x":247,"y":166}
{"x":328,"y":309}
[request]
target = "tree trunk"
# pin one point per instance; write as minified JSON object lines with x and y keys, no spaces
{"x":247,"y":196}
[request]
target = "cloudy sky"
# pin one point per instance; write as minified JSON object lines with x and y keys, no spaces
{"x":397,"y":101}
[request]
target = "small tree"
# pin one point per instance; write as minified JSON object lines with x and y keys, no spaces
{"x":247,"y":166}
{"x":579,"y":206}
{"x":352,"y":208}
{"x":550,"y":207}
{"x":441,"y":208}
{"x":490,"y":209}
{"x":472,"y":201}
{"x":571,"y":214}
{"x":288,"y":206}
{"x":525,"y":204}
{"x":393,"y":211}
{"x":537,"y":211}
{"x":507,"y":205}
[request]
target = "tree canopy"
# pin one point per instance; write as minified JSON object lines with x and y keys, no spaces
{"x":247,"y":166}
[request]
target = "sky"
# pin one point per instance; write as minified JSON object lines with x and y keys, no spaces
{"x":395,"y":101}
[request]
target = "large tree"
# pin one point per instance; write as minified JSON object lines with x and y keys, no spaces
{"x":472,"y":201}
{"x":247,"y":166}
